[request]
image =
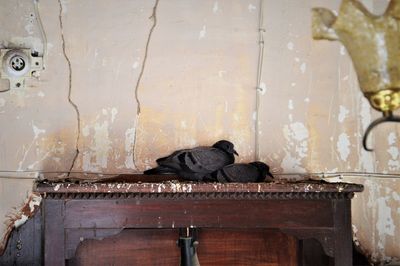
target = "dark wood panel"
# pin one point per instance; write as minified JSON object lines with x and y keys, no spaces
{"x":169,"y":213}
{"x":25,"y":244}
{"x":216,"y":247}
{"x":54,"y":232}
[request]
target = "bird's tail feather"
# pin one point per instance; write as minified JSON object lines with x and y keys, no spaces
{"x":159,"y":170}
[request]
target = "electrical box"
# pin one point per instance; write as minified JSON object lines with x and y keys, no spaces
{"x":19,"y":64}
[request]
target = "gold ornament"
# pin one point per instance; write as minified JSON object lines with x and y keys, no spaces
{"x":373,"y":43}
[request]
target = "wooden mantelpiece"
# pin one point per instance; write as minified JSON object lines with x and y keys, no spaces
{"x":75,"y":212}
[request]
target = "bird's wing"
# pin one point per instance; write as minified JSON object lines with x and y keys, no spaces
{"x":241,"y":173}
{"x":206,"y":160}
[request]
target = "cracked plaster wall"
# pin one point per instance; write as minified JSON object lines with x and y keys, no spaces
{"x":197,"y":86}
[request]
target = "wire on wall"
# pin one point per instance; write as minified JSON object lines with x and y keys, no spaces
{"x":41,"y":29}
{"x":261,"y":31}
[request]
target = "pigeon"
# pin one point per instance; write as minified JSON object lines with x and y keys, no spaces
{"x":194,"y":164}
{"x":241,"y":173}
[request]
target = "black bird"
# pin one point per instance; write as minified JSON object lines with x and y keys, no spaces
{"x":241,"y":173}
{"x":193,"y":164}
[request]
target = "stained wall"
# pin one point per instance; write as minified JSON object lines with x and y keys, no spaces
{"x":127,"y":82}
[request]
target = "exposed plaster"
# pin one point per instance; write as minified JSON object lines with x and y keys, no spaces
{"x":138,"y":108}
{"x":70,"y":88}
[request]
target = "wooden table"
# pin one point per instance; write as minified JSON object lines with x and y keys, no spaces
{"x":74,"y":212}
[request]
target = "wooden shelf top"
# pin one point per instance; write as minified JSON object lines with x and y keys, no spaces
{"x":172,"y":184}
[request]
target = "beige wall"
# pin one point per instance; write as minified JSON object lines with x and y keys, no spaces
{"x":198,"y":85}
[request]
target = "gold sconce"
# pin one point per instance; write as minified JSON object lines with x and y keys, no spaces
{"x":373,"y":43}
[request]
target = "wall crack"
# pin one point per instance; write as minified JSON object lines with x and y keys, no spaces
{"x":73,"y":104}
{"x":138,"y":104}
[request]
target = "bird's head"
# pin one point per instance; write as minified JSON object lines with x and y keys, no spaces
{"x":226,"y":146}
{"x":264,"y":170}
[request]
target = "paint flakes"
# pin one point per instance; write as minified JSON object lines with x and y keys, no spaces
{"x":203,"y":32}
{"x":343,"y":112}
{"x":343,"y":146}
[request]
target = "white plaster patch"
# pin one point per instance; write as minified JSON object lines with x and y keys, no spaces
{"x":365,"y":113}
{"x":290,"y":105}
{"x":20,"y":221}
{"x":299,"y":131}
{"x":343,"y":146}
{"x":296,"y":135}
{"x":392,"y":138}
{"x":251,"y":8}
{"x":290,"y":163}
{"x":393,"y":150}
{"x":395,"y":196}
{"x":86,"y":130}
{"x":129,"y":142}
{"x":221,"y":73}
{"x":384,"y":224}
{"x":114,"y":112}
{"x":293,"y":84}
{"x":307,"y":100}
{"x":263,"y":88}
{"x":203,"y":32}
{"x":135,"y":64}
{"x":290,"y":45}
{"x":2,"y":102}
{"x":37,"y":131}
{"x":303,"y":67}
{"x":215,"y":7}
{"x":41,"y":94}
{"x":342,"y":50}
{"x":343,"y":112}
{"x":183,"y":124}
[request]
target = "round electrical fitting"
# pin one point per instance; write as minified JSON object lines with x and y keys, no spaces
{"x":16,"y":63}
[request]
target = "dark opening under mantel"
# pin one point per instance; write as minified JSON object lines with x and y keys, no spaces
{"x":78,"y":211}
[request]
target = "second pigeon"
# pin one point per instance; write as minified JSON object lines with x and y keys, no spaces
{"x":194,"y":164}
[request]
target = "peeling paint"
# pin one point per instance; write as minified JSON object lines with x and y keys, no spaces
{"x":343,"y":112}
{"x":129,"y":142}
{"x":343,"y":146}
